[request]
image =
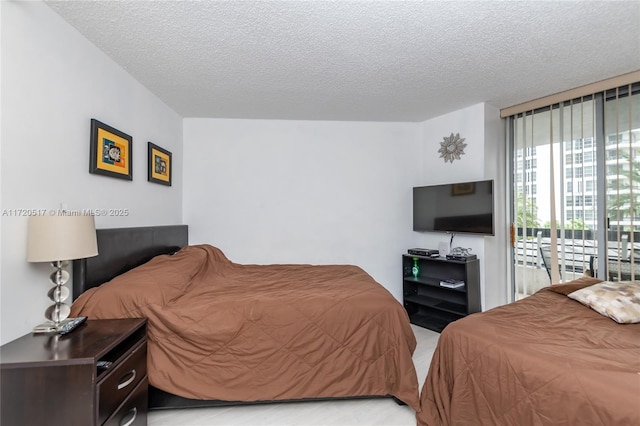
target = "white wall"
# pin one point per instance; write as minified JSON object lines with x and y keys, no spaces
{"x":269,"y":191}
{"x":496,"y":248}
{"x":53,"y":81}
{"x":479,"y":125}
{"x":1,"y":205}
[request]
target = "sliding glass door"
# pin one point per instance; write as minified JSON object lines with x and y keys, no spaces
{"x":575,"y":171}
{"x":622,"y":183}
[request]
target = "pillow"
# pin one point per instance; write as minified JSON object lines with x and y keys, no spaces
{"x":619,"y":301}
{"x":571,"y":286}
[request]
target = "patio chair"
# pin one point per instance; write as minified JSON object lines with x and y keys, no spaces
{"x":545,"y":254}
{"x":620,"y":270}
{"x":617,"y":269}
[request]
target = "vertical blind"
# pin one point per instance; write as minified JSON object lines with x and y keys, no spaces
{"x":622,"y":159}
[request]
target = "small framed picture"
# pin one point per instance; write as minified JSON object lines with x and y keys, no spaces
{"x":110,"y":151}
{"x":463,"y":188}
{"x":160,"y":166}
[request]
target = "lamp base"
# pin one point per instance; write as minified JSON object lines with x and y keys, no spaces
{"x":51,"y":327}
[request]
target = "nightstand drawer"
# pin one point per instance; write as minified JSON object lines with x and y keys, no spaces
{"x":120,"y":382}
{"x":133,"y":412}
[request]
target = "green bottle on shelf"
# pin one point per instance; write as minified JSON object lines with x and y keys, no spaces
{"x":416,"y":269}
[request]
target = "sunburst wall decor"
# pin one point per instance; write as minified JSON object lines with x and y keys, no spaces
{"x":452,"y":147}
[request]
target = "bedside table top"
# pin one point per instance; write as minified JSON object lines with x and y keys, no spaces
{"x":86,"y":343}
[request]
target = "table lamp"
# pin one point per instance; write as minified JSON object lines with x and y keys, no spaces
{"x":58,"y":239}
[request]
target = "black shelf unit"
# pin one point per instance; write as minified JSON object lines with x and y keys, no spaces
{"x":431,"y":305}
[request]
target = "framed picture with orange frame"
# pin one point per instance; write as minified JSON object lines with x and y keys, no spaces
{"x":110,"y":151}
{"x":159,"y":167}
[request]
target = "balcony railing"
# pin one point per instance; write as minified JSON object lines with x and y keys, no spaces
{"x":576,"y":257}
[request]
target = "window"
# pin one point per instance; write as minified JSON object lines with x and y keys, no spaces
{"x":588,"y":143}
{"x":588,"y":171}
{"x":577,"y":185}
{"x":570,"y":135}
{"x":577,"y":172}
{"x":612,"y":140}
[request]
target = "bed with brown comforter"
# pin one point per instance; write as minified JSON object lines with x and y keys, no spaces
{"x":544,"y":360}
{"x":226,"y":331}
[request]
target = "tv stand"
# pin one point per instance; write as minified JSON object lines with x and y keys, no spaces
{"x":430,"y":303}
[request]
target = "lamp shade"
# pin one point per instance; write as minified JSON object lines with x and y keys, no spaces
{"x":53,"y":238}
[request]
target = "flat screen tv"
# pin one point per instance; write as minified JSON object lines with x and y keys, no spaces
{"x":464,"y":207}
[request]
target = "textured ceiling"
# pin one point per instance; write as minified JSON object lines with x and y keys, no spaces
{"x":358,"y":60}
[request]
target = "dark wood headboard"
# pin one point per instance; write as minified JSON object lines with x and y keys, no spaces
{"x":122,"y":249}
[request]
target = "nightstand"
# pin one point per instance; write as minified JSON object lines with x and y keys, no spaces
{"x":47,"y":379}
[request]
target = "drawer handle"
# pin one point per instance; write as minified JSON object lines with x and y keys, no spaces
{"x":134,"y":413}
{"x":127,"y":382}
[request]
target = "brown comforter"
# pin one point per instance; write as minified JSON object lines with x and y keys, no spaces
{"x":544,"y":360}
{"x":220,"y":330}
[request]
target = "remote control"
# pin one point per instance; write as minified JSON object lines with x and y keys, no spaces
{"x":104,"y":364}
{"x":71,"y":325}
